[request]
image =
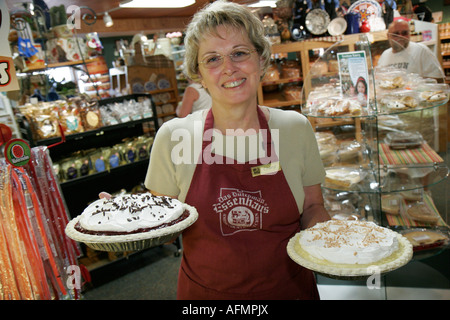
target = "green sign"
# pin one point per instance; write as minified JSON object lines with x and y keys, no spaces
{"x":17,"y":152}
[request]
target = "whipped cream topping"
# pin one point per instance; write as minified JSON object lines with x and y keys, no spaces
{"x":348,"y":242}
{"x":130,"y":212}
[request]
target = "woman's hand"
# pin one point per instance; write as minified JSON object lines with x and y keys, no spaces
{"x":104,"y":195}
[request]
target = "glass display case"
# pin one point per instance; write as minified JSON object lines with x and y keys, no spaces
{"x":382,"y":136}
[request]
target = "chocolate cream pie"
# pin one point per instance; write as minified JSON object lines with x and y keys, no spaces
{"x":131,"y":222}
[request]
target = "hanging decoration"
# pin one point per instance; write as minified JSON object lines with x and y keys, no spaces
{"x":37,"y":260}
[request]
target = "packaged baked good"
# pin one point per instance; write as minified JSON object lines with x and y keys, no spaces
{"x":91,"y":116}
{"x":325,"y":137}
{"x":413,"y":194}
{"x":344,"y":177}
{"x":290,"y":69}
{"x":390,"y":203}
{"x":341,"y":210}
{"x":398,"y":101}
{"x":403,"y":140}
{"x":43,"y":119}
{"x":349,"y":151}
{"x":390,"y":79}
{"x":272,"y":73}
{"x":422,"y":213}
{"x":336,"y":106}
{"x":434,"y":93}
{"x":292,"y":92}
{"x":425,"y":238}
{"x":70,"y":118}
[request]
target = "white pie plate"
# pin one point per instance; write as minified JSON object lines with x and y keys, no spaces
{"x":350,"y":271}
{"x":337,"y":26}
{"x":131,"y":242}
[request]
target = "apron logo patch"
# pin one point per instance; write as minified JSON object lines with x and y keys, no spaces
{"x":240,"y":210}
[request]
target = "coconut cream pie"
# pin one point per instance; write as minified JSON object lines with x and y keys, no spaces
{"x":349,"y":248}
{"x":131,"y":221}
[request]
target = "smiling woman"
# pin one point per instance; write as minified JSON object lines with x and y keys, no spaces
{"x":249,"y":203}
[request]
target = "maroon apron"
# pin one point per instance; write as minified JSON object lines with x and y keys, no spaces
{"x":237,"y":247}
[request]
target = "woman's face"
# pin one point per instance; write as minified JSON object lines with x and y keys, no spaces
{"x":361,"y":87}
{"x":230,"y":83}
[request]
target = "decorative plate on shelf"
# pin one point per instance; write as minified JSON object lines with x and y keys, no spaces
{"x":337,"y":26}
{"x":317,"y":21}
{"x":368,"y":9}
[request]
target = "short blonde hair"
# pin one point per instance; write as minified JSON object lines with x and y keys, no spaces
{"x":206,"y":21}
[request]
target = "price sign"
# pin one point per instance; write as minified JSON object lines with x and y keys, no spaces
{"x":8,"y":79}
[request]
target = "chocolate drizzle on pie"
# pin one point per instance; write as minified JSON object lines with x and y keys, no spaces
{"x":130,"y":214}
{"x":79,"y":228}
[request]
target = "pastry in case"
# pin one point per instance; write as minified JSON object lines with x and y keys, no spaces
{"x":399,"y":101}
{"x":131,"y":222}
{"x":344,"y":176}
{"x":390,"y":203}
{"x":422,"y":213}
{"x":424,"y":238}
{"x":433,"y":93}
{"x":403,"y":140}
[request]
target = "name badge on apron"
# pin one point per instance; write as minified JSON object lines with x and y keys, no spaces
{"x":266,"y":169}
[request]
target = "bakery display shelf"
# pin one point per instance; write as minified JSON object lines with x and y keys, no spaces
{"x":95,"y":176}
{"x":416,"y":198}
{"x":60,"y":64}
{"x":94,"y":133}
{"x":423,"y":154}
{"x":397,"y":178}
{"x":159,"y":91}
{"x":352,"y":178}
{"x":166,"y":114}
{"x":422,"y":106}
{"x":277,"y":99}
{"x":374,"y":111}
{"x":282,"y":81}
{"x":364,"y":179}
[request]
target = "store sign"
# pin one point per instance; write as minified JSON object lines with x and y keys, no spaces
{"x":8,"y":79}
{"x":354,"y":76}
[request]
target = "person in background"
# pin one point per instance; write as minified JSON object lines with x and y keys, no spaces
{"x":410,"y":56}
{"x":330,"y":6}
{"x":387,"y":9}
{"x":250,"y":202}
{"x":195,"y":98}
{"x":423,"y":12}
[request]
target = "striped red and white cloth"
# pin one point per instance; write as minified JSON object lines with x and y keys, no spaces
{"x":421,"y":155}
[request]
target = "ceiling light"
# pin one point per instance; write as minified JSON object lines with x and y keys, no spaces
{"x":263,"y":3}
{"x":108,"y":20}
{"x":156,"y":3}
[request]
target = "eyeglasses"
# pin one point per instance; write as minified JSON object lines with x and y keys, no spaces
{"x":215,"y":60}
{"x":401,"y":33}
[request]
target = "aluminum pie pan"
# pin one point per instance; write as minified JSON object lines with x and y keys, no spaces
{"x":351,"y":271}
{"x":131,"y":242}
